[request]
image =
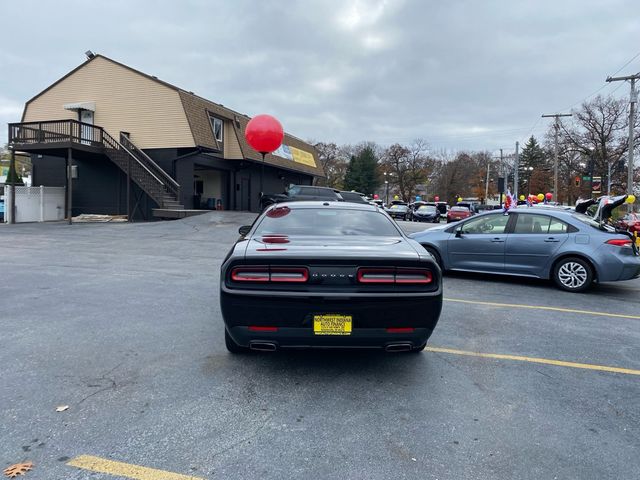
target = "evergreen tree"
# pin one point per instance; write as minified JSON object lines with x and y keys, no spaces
{"x":535,"y":174}
{"x":362,"y":172}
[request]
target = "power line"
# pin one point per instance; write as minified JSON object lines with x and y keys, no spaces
{"x":606,"y":84}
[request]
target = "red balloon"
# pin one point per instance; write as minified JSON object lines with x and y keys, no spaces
{"x":436,"y":198}
{"x":375,"y":196}
{"x":264,"y":133}
{"x":549,"y":195}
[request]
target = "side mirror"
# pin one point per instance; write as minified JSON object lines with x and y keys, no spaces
{"x":243,"y":230}
{"x":458,"y":231}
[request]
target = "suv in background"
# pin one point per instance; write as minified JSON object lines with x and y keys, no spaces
{"x":297,"y":193}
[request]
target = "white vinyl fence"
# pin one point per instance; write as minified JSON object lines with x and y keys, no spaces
{"x":35,"y":204}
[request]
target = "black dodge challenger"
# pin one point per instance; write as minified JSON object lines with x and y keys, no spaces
{"x":328,"y":274}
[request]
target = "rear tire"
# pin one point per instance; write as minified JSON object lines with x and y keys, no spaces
{"x":231,"y":344}
{"x":434,"y":253}
{"x":573,"y":274}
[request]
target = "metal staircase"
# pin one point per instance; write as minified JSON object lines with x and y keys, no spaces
{"x":146,"y":173}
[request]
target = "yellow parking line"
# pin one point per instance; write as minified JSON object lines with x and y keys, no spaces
{"x":545,"y":361}
{"x":541,"y":307}
{"x":127,"y":470}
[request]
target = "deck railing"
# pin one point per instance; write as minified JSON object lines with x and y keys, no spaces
{"x":55,"y":131}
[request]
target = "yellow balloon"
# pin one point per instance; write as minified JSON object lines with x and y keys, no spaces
{"x":631,"y":199}
{"x":540,"y":197}
{"x":459,"y":199}
{"x":521,"y":197}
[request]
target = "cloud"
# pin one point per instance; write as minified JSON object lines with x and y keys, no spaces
{"x":464,"y":74}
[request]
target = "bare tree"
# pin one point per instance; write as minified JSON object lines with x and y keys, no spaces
{"x":409,"y":166}
{"x":599,"y":132}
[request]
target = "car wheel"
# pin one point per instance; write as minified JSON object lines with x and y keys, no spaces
{"x":231,"y":344}
{"x":434,"y":253}
{"x":573,"y":274}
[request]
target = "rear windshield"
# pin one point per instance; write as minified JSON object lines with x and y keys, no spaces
{"x":427,"y":209}
{"x":459,"y":209}
{"x":587,"y":220}
{"x":326,"y":221}
{"x":399,"y":207}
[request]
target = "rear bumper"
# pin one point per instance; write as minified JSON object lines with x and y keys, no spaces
{"x":293,"y":316}
{"x":374,"y":338}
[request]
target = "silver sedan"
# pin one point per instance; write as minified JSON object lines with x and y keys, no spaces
{"x":570,"y":248}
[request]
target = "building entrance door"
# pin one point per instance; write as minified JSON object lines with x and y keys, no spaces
{"x":86,"y":132}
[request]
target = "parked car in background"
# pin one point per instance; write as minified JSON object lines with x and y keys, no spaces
{"x":398,"y":211}
{"x":320,"y":274}
{"x":473,"y":207}
{"x":572,"y":249}
{"x":354,"y":197}
{"x":630,"y":222}
{"x":297,"y":193}
{"x":457,"y":213}
{"x":426,"y":213}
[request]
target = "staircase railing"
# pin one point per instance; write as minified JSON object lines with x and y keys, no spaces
{"x":170,"y":184}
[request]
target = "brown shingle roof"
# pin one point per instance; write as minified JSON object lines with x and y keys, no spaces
{"x":197,"y":109}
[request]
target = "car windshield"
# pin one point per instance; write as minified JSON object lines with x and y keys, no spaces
{"x":325,"y":222}
{"x":459,"y":209}
{"x":427,"y":209}
{"x":399,"y":207}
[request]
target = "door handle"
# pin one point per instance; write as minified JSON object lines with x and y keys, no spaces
{"x":551,"y":239}
{"x":497,"y":240}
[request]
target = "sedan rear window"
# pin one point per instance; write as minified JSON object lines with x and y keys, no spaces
{"x":326,"y":221}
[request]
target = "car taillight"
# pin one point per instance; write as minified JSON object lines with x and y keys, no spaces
{"x":250,"y":274}
{"x":405,"y":276}
{"x":265,"y":274}
{"x":292,"y":275}
{"x":620,"y":242}
{"x":412,"y":276}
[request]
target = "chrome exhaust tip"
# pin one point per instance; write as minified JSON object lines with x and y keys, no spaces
{"x":398,"y":347}
{"x":263,"y":346}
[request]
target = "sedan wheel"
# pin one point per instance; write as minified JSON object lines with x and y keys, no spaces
{"x":573,"y":275}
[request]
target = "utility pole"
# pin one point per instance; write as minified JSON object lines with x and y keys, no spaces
{"x":504,"y":180}
{"x":556,"y":126}
{"x":633,"y":98}
{"x":516,"y":166}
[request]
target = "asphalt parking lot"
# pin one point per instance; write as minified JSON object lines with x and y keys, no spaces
{"x":121,"y":323}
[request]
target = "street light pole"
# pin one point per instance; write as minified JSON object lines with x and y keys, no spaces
{"x":486,"y":188}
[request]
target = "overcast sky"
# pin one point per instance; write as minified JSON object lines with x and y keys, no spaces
{"x":460,"y":74}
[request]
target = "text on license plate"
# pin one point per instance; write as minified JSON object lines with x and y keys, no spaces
{"x":332,"y":324}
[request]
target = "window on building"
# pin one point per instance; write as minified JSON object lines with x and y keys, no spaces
{"x":216,"y":126}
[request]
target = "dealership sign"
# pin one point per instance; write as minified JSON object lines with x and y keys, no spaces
{"x":296,"y":155}
{"x":596,"y":185}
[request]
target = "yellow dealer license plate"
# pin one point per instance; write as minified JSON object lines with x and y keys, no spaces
{"x":332,"y":324}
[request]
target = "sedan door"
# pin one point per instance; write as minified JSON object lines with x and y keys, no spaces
{"x":534,"y":239}
{"x":478,"y":244}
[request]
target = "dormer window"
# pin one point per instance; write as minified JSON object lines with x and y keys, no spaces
{"x":217,"y":127}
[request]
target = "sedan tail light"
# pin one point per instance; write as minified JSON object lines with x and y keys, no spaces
{"x":405,"y":276}
{"x":266,"y":274}
{"x":619,"y":242}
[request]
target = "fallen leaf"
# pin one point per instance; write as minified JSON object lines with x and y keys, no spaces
{"x":62,"y":408}
{"x":18,"y":469}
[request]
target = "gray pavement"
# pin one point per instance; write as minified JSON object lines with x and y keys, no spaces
{"x":121,"y":322}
